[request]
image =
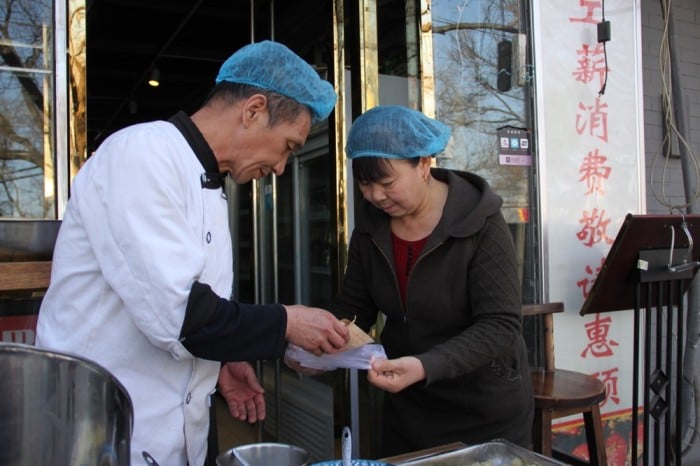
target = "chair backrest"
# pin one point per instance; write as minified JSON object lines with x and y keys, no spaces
{"x":24,"y":276}
{"x":545,"y":311}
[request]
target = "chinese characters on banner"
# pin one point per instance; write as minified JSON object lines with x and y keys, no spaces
{"x":590,"y":121}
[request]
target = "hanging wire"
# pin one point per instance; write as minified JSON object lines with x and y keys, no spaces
{"x":669,"y":122}
{"x":605,"y":56}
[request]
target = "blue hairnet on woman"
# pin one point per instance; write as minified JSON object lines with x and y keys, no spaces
{"x":432,"y":253}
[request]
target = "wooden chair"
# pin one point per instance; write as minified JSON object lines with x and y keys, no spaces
{"x":22,"y":277}
{"x":560,"y":393}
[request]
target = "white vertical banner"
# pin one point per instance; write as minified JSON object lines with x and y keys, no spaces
{"x":591,"y":161}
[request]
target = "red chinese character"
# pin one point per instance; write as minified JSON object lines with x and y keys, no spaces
{"x":585,"y":282}
{"x":594,"y":228}
{"x":593,"y":172}
{"x":609,"y":378}
{"x":590,"y":5}
{"x":597,"y":332}
{"x":596,"y":121}
{"x":590,"y":64}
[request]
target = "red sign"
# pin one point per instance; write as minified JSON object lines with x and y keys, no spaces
{"x":18,"y":329}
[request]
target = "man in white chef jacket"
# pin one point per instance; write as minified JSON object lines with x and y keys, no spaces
{"x":142,"y":269}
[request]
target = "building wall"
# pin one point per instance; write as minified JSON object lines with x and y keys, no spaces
{"x":686,"y":24}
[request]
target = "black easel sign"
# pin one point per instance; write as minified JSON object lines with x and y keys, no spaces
{"x":614,"y":287}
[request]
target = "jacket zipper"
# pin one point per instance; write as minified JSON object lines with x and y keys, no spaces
{"x":396,"y":282}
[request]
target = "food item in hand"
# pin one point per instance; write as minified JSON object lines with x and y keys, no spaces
{"x":357,"y":336}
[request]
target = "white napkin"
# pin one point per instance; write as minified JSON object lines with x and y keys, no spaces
{"x":356,"y":358}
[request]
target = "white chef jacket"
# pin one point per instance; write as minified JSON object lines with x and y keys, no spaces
{"x":139,"y":229}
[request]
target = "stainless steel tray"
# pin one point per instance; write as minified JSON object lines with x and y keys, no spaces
{"x":495,"y":453}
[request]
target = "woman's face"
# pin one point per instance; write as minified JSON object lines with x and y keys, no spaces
{"x":403,"y":191}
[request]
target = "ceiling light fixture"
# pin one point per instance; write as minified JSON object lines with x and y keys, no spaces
{"x":154,"y":79}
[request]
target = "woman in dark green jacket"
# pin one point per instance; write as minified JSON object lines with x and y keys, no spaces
{"x":432,"y":252}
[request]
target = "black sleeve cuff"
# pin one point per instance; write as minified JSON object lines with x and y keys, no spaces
{"x":221,"y":330}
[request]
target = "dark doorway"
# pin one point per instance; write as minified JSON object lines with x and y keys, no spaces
{"x":186,"y":41}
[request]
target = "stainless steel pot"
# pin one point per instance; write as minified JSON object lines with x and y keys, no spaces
{"x":60,"y":409}
{"x":264,"y":454}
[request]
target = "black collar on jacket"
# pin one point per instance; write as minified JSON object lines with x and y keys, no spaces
{"x":211,"y":178}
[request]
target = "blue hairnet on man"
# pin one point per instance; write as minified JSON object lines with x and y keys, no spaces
{"x":270,"y":65}
{"x":143,"y":266}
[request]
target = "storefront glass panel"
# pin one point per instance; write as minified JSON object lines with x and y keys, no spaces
{"x":27,"y":109}
{"x":398,"y":53}
{"x":482,"y":89}
{"x":287,"y":223}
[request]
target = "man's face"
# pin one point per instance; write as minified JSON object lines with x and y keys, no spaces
{"x":258,"y":149}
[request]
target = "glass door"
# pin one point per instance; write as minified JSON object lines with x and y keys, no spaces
{"x":315,"y":227}
{"x":483,"y":86}
{"x":465,"y":63}
{"x":285,"y":229}
{"x":295,"y":232}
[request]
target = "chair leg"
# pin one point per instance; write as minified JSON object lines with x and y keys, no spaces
{"x":594,"y":437}
{"x":537,"y":432}
{"x":542,"y":432}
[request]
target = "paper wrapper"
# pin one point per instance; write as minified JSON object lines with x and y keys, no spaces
{"x":356,"y":358}
{"x":357,"y":336}
{"x":357,"y":353}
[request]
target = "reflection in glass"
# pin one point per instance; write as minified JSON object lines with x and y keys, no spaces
{"x":398,"y":65}
{"x":26,"y":109}
{"x":466,"y":38}
{"x":268,"y":250}
{"x":482,"y":85}
{"x":316,"y":230}
{"x":78,"y":89}
{"x":286,"y":267}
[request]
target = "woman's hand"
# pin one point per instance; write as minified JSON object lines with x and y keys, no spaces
{"x":243,"y":393}
{"x":393,"y":375}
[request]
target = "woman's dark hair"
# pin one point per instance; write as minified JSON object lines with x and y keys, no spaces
{"x":280,"y":108}
{"x":372,"y":169}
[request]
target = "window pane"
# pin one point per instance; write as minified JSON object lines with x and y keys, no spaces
{"x":482,"y":90}
{"x":397,"y":31}
{"x":26,"y":109}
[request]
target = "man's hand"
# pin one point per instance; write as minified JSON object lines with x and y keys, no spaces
{"x":316,"y":330}
{"x":243,"y":393}
{"x":294,"y":365}
{"x":393,"y":375}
